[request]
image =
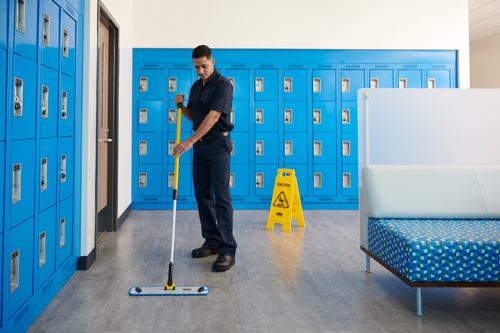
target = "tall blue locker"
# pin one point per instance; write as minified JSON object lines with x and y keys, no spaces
{"x":324,"y":86}
{"x":240,"y":116}
{"x":25,"y":33}
{"x":150,"y":180}
{"x":150,"y":148}
{"x":24,"y":85}
{"x":68,"y":35}
{"x":22,"y":172}
{"x":265,"y":175}
{"x":151,"y":85}
{"x":324,"y":148}
{"x":325,"y":180}
{"x":67,"y":112}
{"x":266,"y":148}
{"x":3,"y":92}
{"x":151,"y":116}
{"x":66,"y":167}
{"x":179,"y":82}
{"x":295,"y":116}
{"x":49,"y":95}
{"x":266,"y":84}
{"x":350,"y":148}
{"x":50,"y":34}
{"x":46,"y":254}
{"x":3,"y":25}
{"x":240,"y":78}
{"x":64,"y":245}
{"x":295,"y":148}
{"x":266,"y":116}
{"x":295,"y":84}
{"x":324,"y":117}
{"x":239,"y":179}
{"x":48,"y":173}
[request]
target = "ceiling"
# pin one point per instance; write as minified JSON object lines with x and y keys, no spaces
{"x":484,"y":18}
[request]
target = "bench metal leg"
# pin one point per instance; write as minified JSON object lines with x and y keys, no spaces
{"x":367,"y":264}
{"x":419,"y":302}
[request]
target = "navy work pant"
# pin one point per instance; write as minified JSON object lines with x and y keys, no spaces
{"x":211,"y":177}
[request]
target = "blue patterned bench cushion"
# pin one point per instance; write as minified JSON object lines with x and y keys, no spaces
{"x":438,"y":250}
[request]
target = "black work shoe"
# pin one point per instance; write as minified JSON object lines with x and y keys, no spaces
{"x":205,"y":250}
{"x":223,"y":263}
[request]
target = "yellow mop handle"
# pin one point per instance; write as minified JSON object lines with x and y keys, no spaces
{"x":177,"y":141}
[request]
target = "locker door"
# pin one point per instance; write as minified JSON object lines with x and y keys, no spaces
{"x":324,"y":117}
{"x":50,"y":109}
{"x":266,"y":148}
{"x":352,"y":81}
{"x":47,"y":165}
{"x":3,"y":25}
{"x":186,"y":125}
{"x":442,"y":78}
{"x":350,"y":148}
{"x":2,"y":184}
{"x":240,"y":116}
{"x":179,"y":82}
{"x":187,"y":157}
{"x":50,"y":35}
{"x":381,"y":78}
{"x":3,"y":89}
{"x":151,"y":116}
{"x":295,"y":116}
{"x":266,"y":85}
{"x":241,"y":150}
{"x":151,"y":85}
{"x":349,"y":117}
{"x":241,"y":83}
{"x":68,"y":35}
{"x":295,"y":148}
{"x":265,"y":175}
{"x":150,"y":148}
{"x":20,"y":259}
{"x":239,"y":181}
{"x":22,"y":173}
{"x":266,"y":116}
{"x":150,"y":180}
{"x":66,"y":166}
{"x":324,"y":84}
{"x":24,"y":84}
{"x":324,"y":180}
{"x":324,"y":148}
{"x":185,"y":179}
{"x":46,"y":254}
{"x":302,"y":177}
{"x":350,"y":180}
{"x":64,"y":245}
{"x":25,"y":25}
{"x":295,"y":84}
{"x":413,"y":78}
{"x":67,"y":114}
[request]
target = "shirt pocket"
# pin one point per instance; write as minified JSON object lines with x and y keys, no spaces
{"x":208,"y":99}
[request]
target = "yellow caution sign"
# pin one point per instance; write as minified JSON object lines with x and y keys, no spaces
{"x":285,"y":204}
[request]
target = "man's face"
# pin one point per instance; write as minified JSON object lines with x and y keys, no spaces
{"x":204,"y":67}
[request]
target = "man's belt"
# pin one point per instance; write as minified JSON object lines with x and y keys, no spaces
{"x":214,"y":136}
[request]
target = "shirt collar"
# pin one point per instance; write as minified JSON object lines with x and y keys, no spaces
{"x":215,"y":76}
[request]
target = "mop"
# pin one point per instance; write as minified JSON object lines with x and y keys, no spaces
{"x":170,"y":289}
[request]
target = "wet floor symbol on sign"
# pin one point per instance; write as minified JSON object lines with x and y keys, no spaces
{"x":281,"y":201}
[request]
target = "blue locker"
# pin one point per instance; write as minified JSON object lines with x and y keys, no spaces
{"x":352,"y":81}
{"x":239,"y":180}
{"x":302,"y":177}
{"x":295,"y":84}
{"x":151,"y":85}
{"x":25,"y":28}
{"x":411,"y":77}
{"x":295,"y":148}
{"x":67,"y":113}
{"x":47,"y":165}
{"x":66,"y":167}
{"x":150,"y":180}
{"x":241,"y":83}
{"x":266,"y":85}
{"x":185,"y":158}
{"x":68,"y":35}
{"x":323,"y":117}
{"x":295,"y":116}
{"x":150,"y":148}
{"x":349,"y":148}
{"x":64,"y":245}
{"x":324,"y":148}
{"x":241,"y":150}
{"x":266,"y":148}
{"x":265,"y":176}
{"x":350,"y":180}
{"x":185,"y":180}
{"x":240,"y":115}
{"x":46,"y":256}
{"x":22,"y":171}
{"x":179,"y":82}
{"x":442,"y":78}
{"x":381,"y":78}
{"x":325,"y":180}
{"x":266,"y":116}
{"x":151,"y":116}
{"x":186,"y":124}
{"x":50,"y":34}
{"x":49,"y":94}
{"x":24,"y":85}
{"x":3,"y":25}
{"x":324,"y":84}
{"x":3,"y":90}
{"x":20,"y":258}
{"x":2,"y":184}
{"x":349,"y":117}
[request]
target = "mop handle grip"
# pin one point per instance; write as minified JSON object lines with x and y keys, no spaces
{"x":177,"y":141}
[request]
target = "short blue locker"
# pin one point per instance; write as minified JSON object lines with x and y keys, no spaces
{"x":151,"y":116}
{"x":186,"y":124}
{"x":22,"y":173}
{"x":48,"y":173}
{"x":302,"y":175}
{"x":240,"y":116}
{"x":295,"y":84}
{"x":150,"y":180}
{"x":66,"y":167}
{"x":25,"y":24}
{"x":50,"y":35}
{"x":324,"y":84}
{"x":266,"y":148}
{"x":323,"y":117}
{"x":68,"y":35}
{"x":185,"y":180}
{"x":325,"y":180}
{"x":349,"y":117}
{"x":20,"y":259}
{"x":352,"y":81}
{"x":2,"y":184}
{"x":265,"y":176}
{"x":151,"y":85}
{"x":24,"y":86}
{"x":239,"y":179}
{"x":266,"y":85}
{"x":324,"y":148}
{"x":186,"y":157}
{"x":67,"y":116}
{"x":150,"y":148}
{"x":410,"y":78}
{"x":350,"y":180}
{"x":179,"y":82}
{"x":381,"y":78}
{"x":349,"y":148}
{"x":3,"y":25}
{"x":3,"y":92}
{"x":64,"y":245}
{"x":241,"y":148}
{"x":46,"y":256}
{"x":295,"y":116}
{"x":240,"y":78}
{"x":50,"y":110}
{"x":266,"y":116}
{"x":438,"y":78}
{"x":295,"y":148}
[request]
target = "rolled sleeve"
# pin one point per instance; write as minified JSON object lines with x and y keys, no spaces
{"x":223,"y":97}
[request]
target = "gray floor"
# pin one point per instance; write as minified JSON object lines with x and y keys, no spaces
{"x":309,"y":280}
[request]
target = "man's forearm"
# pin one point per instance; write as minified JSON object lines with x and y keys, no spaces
{"x":188,"y":113}
{"x":205,"y":126}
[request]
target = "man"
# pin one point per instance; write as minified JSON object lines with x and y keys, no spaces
{"x":209,"y":107}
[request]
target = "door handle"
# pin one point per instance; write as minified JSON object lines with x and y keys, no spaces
{"x":108,"y":140}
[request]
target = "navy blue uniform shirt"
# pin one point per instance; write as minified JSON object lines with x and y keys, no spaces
{"x":216,"y":95}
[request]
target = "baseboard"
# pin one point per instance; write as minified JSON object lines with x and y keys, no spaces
{"x":124,"y":215}
{"x":84,"y":262}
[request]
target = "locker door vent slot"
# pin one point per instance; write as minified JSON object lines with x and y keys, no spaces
{"x":18,"y":97}
{"x":232,"y":150}
{"x":14,"y":270}
{"x":346,"y":148}
{"x":45,"y":102}
{"x":231,"y":116}
{"x":288,"y":116}
{"x":20,"y":16}
{"x":409,"y":66}
{"x":231,"y":79}
{"x":431,"y":83}
{"x":324,"y":66}
{"x":402,"y":83}
{"x":288,"y":84}
{"x":288,"y":148}
{"x":345,"y":85}
{"x":317,"y":180}
{"x":16,"y":183}
{"x":65,"y":43}
{"x":346,"y":117}
{"x":259,"y":179}
{"x":64,"y":105}
{"x":172,"y":84}
{"x":43,"y":175}
{"x":438,"y":66}
{"x":346,"y":180}
{"x":374,"y":83}
{"x":317,"y":85}
{"x":259,"y":84}
{"x":46,"y":30}
{"x":42,"y":247}
{"x":143,"y":87}
{"x":259,"y":148}
{"x":266,"y":66}
{"x":231,"y":179}
{"x":317,"y":148}
{"x":171,"y":145}
{"x":259,"y":116}
{"x":238,"y":65}
{"x":381,"y":66}
{"x":143,"y":148}
{"x":63,"y":168}
{"x":171,"y":179}
{"x":172,"y":116}
{"x":62,"y":233}
{"x":143,"y":116}
{"x":353,"y":66}
{"x":143,"y":179}
{"x":316,"y":116}
{"x":179,"y":65}
{"x":296,"y":66}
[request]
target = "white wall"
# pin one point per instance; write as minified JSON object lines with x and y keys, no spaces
{"x":484,"y":64}
{"x":313,"y":24}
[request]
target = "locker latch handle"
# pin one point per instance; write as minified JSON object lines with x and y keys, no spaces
{"x":46,"y":30}
{"x":42,"y":249}
{"x":259,"y":179}
{"x":143,"y":84}
{"x":43,"y":175}
{"x":346,"y":118}
{"x":62,"y":232}
{"x":14,"y":270}
{"x":172,"y":119}
{"x":64,"y":103}
{"x":45,"y":101}
{"x":16,"y":183}
{"x":317,"y":116}
{"x":66,"y":43}
{"x":288,"y":84}
{"x":345,"y":85}
{"x":288,"y":116}
{"x":259,"y":148}
{"x":172,"y":84}
{"x":373,"y":83}
{"x":317,"y":180}
{"x":20,"y":16}
{"x":63,"y":168}
{"x":259,"y":84}
{"x":18,"y":97}
{"x":143,"y":179}
{"x":317,"y":85}
{"x":143,"y":116}
{"x":288,"y":148}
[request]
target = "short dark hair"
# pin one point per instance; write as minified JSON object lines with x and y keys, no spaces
{"x":202,"y":51}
